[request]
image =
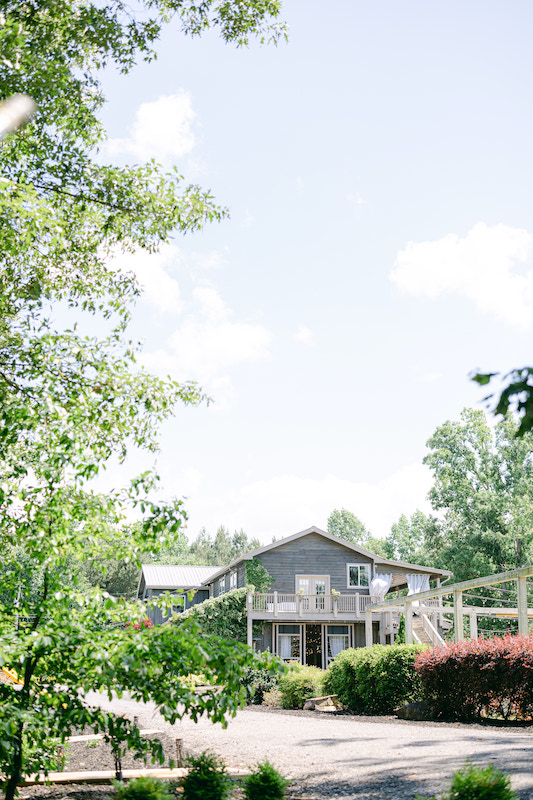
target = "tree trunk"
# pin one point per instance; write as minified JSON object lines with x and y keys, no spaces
{"x":16,"y":768}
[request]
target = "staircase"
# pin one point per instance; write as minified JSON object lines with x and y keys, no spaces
{"x":419,"y":633}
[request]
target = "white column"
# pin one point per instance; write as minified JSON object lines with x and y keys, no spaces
{"x":368,"y":628}
{"x":249,"y":629}
{"x":409,"y":623}
{"x":382,"y":639}
{"x":275,"y":604}
{"x":458,"y":616}
{"x":522,"y":606}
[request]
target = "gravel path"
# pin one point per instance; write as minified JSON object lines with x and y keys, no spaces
{"x":348,"y":756}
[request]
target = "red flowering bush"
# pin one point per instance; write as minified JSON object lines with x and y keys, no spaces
{"x":482,"y":676}
{"x":140,"y":626}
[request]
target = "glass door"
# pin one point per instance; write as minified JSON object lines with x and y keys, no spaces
{"x":315,"y":589}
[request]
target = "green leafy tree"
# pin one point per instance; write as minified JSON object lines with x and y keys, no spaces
{"x":346,"y":525}
{"x":70,"y":401}
{"x":483,"y":493}
{"x":222,"y":549}
{"x":407,"y":540}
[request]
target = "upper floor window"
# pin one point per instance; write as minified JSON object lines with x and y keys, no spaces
{"x":358,"y":575}
{"x":222,"y":585}
{"x":233,"y":580}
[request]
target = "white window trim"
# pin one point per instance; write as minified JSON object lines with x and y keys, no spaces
{"x":313,"y":577}
{"x":233,"y":580}
{"x":359,"y":585}
{"x":222,"y":585}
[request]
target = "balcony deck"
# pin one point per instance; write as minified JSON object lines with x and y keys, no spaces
{"x":341,"y":607}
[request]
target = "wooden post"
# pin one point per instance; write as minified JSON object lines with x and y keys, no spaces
{"x":335,"y":609}
{"x":369,"y":641}
{"x":249,"y":627}
{"x":408,"y":623}
{"x":458,"y":622}
{"x":357,"y":606}
{"x":523,"y":626}
{"x":275,"y":604}
{"x":473,"y":625}
{"x":179,"y":753}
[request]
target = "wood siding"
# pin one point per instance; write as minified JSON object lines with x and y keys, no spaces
{"x":311,"y":555}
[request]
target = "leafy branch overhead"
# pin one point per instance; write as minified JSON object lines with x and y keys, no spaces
{"x":516,"y":395}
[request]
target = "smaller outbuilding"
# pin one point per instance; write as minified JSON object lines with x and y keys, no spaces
{"x":156,"y":579}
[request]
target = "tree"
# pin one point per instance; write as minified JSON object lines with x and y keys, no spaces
{"x":516,"y":394}
{"x":347,"y":526}
{"x":483,"y":493}
{"x":407,"y":540}
{"x":69,"y":401}
{"x":221,"y":550}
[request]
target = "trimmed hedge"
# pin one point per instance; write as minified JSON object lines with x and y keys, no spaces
{"x":468,"y":679}
{"x":299,"y":684}
{"x":375,"y":680}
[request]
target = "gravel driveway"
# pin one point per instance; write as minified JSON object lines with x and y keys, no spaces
{"x":348,"y":756}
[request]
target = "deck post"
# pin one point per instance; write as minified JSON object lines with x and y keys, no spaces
{"x":458,"y":622}
{"x":249,"y":629}
{"x":382,"y":639}
{"x":473,"y":625}
{"x":523,"y":623}
{"x":369,"y":641}
{"x":275,"y":607}
{"x":357,"y":606}
{"x":409,"y":623}
{"x":335,"y":607}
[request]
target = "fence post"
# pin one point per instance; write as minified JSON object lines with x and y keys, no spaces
{"x":458,"y":616}
{"x":473,"y":625}
{"x":523,"y":626}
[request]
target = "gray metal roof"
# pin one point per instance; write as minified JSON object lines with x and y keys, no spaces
{"x":170,"y":576}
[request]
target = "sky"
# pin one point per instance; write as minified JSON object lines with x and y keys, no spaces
{"x":376,"y":168}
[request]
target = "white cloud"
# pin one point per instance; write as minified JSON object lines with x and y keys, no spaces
{"x":304,"y":335}
{"x":159,"y":288}
{"x":212,"y":260}
{"x":209,"y":343}
{"x":285,"y":504}
{"x":482,"y":266}
{"x":162,"y":130}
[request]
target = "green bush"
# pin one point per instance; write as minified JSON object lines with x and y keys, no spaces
{"x":207,"y":778}
{"x":375,"y":680}
{"x":265,"y":783}
{"x":479,"y":783}
{"x":257,"y":682}
{"x":144,"y":788}
{"x":222,"y":616}
{"x":300,"y":683}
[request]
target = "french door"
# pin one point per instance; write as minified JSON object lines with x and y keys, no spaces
{"x":315,"y":589}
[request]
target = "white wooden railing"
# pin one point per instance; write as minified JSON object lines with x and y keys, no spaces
{"x":432,"y":632}
{"x":275,"y":603}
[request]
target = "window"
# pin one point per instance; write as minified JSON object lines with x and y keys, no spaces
{"x":338,"y":639}
{"x":358,"y":575}
{"x":289,"y":639}
{"x":233,"y":580}
{"x":222,"y":585}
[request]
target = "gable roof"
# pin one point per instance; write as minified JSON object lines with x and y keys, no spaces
{"x":403,"y":565}
{"x":169,"y":576}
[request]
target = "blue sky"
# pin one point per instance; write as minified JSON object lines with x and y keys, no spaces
{"x":380,"y":247}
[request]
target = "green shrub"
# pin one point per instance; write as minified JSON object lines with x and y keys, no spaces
{"x":265,"y":783}
{"x":257,"y":682}
{"x":144,"y":788}
{"x":375,"y":680}
{"x":300,"y":683}
{"x":207,"y":778}
{"x":479,"y":783}
{"x":222,"y":616}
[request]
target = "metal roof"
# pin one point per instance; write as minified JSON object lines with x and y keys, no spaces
{"x":170,"y":576}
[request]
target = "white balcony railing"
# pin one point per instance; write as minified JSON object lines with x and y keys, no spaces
{"x":275,"y":604}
